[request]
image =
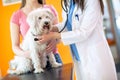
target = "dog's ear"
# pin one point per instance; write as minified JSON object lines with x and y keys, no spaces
{"x":31,"y":19}
{"x":53,"y":17}
{"x":50,"y":13}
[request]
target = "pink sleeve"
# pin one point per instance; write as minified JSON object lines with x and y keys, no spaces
{"x":15,"y":18}
{"x":53,"y":10}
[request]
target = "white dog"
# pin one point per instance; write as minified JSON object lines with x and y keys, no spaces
{"x":40,"y":22}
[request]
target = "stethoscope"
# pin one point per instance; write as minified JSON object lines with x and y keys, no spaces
{"x":65,"y":8}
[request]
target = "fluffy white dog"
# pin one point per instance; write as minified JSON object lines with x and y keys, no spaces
{"x":40,"y":22}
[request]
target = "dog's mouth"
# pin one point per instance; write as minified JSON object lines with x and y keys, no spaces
{"x":46,"y":27}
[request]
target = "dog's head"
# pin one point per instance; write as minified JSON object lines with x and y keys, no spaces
{"x":40,"y":21}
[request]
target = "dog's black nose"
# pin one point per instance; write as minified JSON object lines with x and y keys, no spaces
{"x":46,"y":23}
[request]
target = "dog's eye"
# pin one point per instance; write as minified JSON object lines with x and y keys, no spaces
{"x":39,"y":18}
{"x":47,"y":16}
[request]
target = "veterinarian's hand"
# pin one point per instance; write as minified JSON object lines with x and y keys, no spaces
{"x":48,"y":37}
{"x":51,"y":45}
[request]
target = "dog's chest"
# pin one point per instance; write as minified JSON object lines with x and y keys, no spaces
{"x":29,"y":43}
{"x":40,"y":47}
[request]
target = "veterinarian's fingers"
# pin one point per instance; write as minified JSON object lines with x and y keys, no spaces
{"x":46,"y":37}
{"x":43,"y":38}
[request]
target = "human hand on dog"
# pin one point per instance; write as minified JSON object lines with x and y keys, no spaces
{"x":51,"y":45}
{"x":46,"y":37}
{"x":51,"y":36}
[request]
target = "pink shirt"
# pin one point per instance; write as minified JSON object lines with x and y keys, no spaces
{"x":19,"y":18}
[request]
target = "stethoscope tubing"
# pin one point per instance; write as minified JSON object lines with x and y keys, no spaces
{"x":66,"y":10}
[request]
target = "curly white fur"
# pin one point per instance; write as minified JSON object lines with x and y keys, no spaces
{"x":40,"y":22}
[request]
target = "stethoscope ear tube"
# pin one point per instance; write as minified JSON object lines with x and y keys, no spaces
{"x":66,"y":10}
{"x":64,"y":5}
{"x":64,"y":24}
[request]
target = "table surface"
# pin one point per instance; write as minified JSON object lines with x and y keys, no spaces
{"x":64,"y":72}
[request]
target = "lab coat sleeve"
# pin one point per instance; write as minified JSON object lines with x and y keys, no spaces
{"x":91,"y":17}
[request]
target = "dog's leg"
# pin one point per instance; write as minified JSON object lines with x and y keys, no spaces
{"x":53,"y":61}
{"x":36,"y":61}
{"x":43,"y":60}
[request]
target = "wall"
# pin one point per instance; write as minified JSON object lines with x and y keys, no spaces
{"x":6,"y":53}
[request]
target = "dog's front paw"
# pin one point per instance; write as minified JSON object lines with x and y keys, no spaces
{"x":39,"y":70}
{"x":19,"y":72}
{"x":56,"y":64}
{"x":10,"y":71}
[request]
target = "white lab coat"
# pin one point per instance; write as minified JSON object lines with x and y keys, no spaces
{"x":96,"y":60}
